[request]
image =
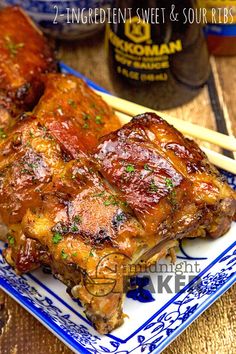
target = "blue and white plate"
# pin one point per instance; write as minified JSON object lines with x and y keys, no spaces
{"x":165,"y":302}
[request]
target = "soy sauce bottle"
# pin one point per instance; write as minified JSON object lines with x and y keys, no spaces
{"x":159,"y":65}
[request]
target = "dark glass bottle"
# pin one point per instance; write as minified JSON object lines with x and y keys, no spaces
{"x":157,"y":65}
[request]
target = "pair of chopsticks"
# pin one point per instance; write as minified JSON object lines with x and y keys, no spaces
{"x":126,"y":110}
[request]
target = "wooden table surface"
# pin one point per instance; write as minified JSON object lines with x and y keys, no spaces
{"x":214,"y":331}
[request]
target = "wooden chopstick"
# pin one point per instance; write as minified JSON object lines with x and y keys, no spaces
{"x":217,"y":159}
{"x":220,"y":160}
{"x":132,"y":109}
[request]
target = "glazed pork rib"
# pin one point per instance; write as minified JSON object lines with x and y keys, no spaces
{"x":68,"y":104}
{"x":29,"y":159}
{"x":166,"y":179}
{"x":24,"y":55}
{"x":59,"y":210}
{"x":89,"y":215}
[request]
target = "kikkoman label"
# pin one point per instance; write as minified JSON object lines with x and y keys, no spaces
{"x":138,"y":31}
{"x":136,"y":54}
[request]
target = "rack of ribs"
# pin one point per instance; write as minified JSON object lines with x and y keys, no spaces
{"x":24,"y":55}
{"x":80,"y":194}
{"x":88,"y":205}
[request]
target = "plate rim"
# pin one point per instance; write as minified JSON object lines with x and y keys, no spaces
{"x":74,"y":345}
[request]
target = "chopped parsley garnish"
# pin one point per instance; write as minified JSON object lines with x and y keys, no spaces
{"x":99,"y":194}
{"x":74,"y":254}
{"x":172,"y":195}
{"x":32,"y":165}
{"x":172,"y":198}
{"x":120,"y":217}
{"x":74,"y":228}
{"x":29,"y":167}
{"x":25,"y":171}
{"x":72,"y":103}
{"x":11,"y":239}
{"x":130,"y":168}
{"x":98,"y":120}
{"x":57,"y":237}
{"x":64,"y":255}
{"x":169,"y":183}
{"x":77,"y":219}
{"x":12,"y":47}
{"x":86,"y":116}
{"x":147,"y":168}
{"x":3,"y":135}
{"x":111,"y":200}
{"x":153,"y":187}
{"x":85,"y":126}
{"x":91,"y":253}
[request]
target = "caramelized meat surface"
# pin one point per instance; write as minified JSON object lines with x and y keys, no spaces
{"x":59,"y":210}
{"x":84,"y":227}
{"x":61,"y":213}
{"x":166,"y":179}
{"x":41,"y":143}
{"x":95,"y":213}
{"x":24,"y":55}
{"x":72,"y":110}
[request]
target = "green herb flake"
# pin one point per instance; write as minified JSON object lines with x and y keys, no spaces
{"x":86,"y":117}
{"x":98,"y":120}
{"x":11,"y":240}
{"x":120,"y":217}
{"x":172,"y":195}
{"x":99,"y":194}
{"x":75,"y":254}
{"x":153,"y":187}
{"x":3,"y":135}
{"x":111,"y":200}
{"x":130,"y":168}
{"x":57,"y":237}
{"x":12,"y":47}
{"x":147,"y":168}
{"x":25,"y":171}
{"x":91,"y":254}
{"x":72,"y":103}
{"x":74,"y":228}
{"x":64,"y":255}
{"x":169,"y":183}
{"x":77,"y":219}
{"x":86,"y":126}
{"x":32,"y":165}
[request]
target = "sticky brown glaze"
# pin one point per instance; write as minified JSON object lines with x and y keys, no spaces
{"x":61,"y":212}
{"x":72,"y":110}
{"x":166,"y":179}
{"x":24,"y":55}
{"x":28,"y":158}
{"x":87,"y":216}
{"x":40,"y":145}
{"x":78,"y":222}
